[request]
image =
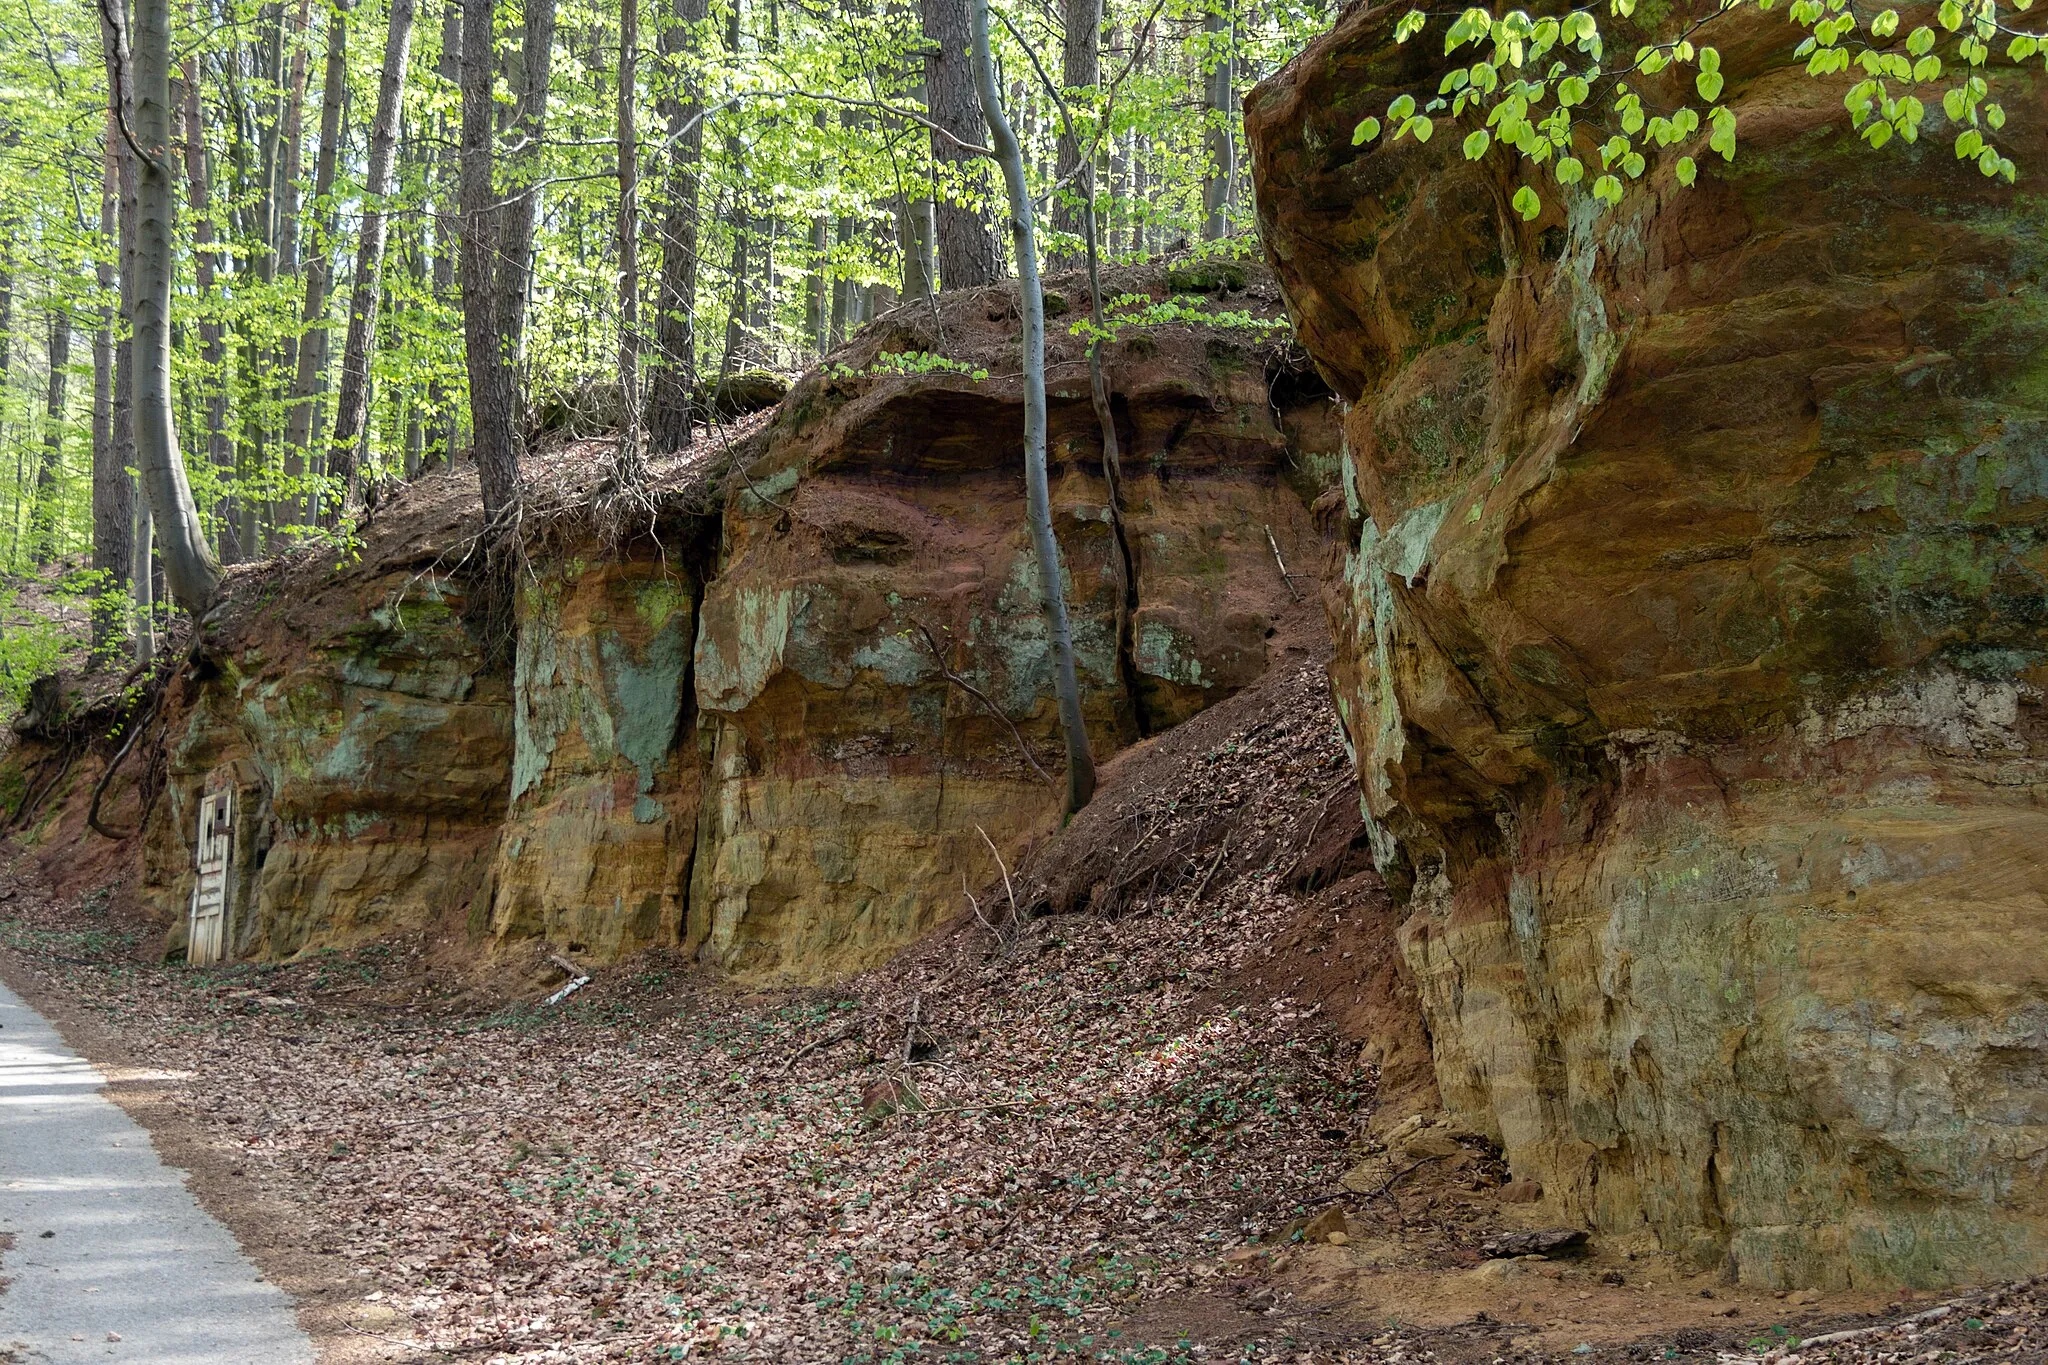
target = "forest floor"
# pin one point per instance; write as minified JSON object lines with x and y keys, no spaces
{"x":1120,"y":1129}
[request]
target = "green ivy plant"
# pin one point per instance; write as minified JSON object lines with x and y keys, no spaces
{"x":907,"y":363}
{"x":1548,"y":87}
{"x":1137,"y":312}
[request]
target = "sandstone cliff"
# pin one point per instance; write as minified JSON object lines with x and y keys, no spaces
{"x":1691,"y":637}
{"x":729,"y":723}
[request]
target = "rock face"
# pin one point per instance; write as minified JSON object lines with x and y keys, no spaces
{"x":766,"y":730}
{"x":367,"y":746}
{"x":1692,"y":632}
{"x":595,"y":850}
{"x":877,"y":543}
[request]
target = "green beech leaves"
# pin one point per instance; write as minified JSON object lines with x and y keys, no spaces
{"x":1543,"y":87}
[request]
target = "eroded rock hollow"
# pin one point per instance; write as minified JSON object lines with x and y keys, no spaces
{"x":1691,"y":639}
{"x":764,"y":725}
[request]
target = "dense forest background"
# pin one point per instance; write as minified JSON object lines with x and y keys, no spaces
{"x":780,"y":171}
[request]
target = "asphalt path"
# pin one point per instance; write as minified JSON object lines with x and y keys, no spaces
{"x":112,"y":1258}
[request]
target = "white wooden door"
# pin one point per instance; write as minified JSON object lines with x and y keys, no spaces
{"x":208,"y":937}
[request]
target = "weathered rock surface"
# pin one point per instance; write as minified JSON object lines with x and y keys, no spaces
{"x":1691,"y":637}
{"x":595,"y":850}
{"x":728,"y":730}
{"x":848,"y":782}
{"x":366,"y":744}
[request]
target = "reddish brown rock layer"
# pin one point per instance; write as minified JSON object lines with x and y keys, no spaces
{"x":1691,"y":637}
{"x":727,"y":729}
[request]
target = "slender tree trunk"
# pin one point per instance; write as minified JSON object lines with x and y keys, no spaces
{"x":736,"y":349}
{"x":14,"y":520}
{"x":1081,"y":69}
{"x":818,"y":298}
{"x":629,"y":464}
{"x":845,"y":293}
{"x":122,"y":410}
{"x":1080,"y":763}
{"x":47,"y":516}
{"x":6,"y":323}
{"x":440,"y":436}
{"x":914,"y":232}
{"x":673,"y":373}
{"x":212,"y":336}
{"x":272,"y":368}
{"x":189,"y":567}
{"x":142,"y":582}
{"x":737,"y":354}
{"x":292,"y":143}
{"x":916,"y":228}
{"x":818,"y":286}
{"x":113,"y":500}
{"x":761,"y":299}
{"x":1218,"y":100}
{"x":1140,"y":186}
{"x":310,"y":372}
{"x":352,"y":406}
{"x":522,"y":209}
{"x":966,"y":251}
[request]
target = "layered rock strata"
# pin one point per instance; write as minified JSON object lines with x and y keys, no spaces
{"x":782,"y":727}
{"x":1692,"y":633}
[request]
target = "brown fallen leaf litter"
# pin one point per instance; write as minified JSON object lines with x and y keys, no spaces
{"x":1133,"y":1123}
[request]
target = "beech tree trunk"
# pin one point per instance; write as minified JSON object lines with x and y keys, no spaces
{"x":113,"y":500}
{"x":673,"y":368}
{"x":1221,"y":184}
{"x":1081,"y":68}
{"x":189,"y":567}
{"x":736,"y":313}
{"x":818,"y":286}
{"x":493,"y":425}
{"x":352,"y":406}
{"x":121,"y":408}
{"x":965,"y":249}
{"x":292,"y":142}
{"x":629,"y":462}
{"x":522,"y":192}
{"x":916,"y":227}
{"x":737,"y":353}
{"x":212,"y":336}
{"x":440,"y":437}
{"x":311,"y":371}
{"x":1038,"y":496}
{"x":44,"y":519}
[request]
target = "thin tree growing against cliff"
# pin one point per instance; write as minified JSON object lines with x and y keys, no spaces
{"x":1031,"y":304}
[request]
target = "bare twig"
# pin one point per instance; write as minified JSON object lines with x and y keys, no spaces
{"x":1285,"y":577}
{"x":1220,"y":854}
{"x":1388,"y":1184}
{"x":975,"y":905}
{"x":845,"y":1035}
{"x":1008,"y":889}
{"x":971,"y":690}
